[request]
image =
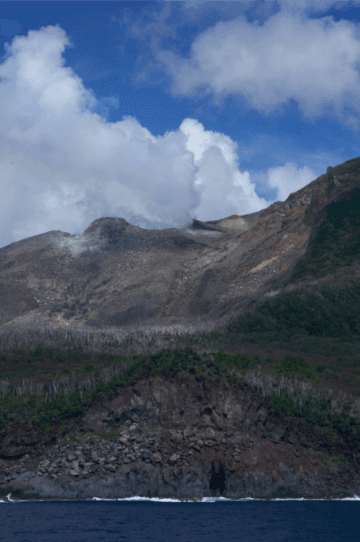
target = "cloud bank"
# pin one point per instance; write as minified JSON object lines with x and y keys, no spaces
{"x":62,"y":164}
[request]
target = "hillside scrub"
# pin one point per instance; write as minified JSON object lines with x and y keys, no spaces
{"x":60,"y":407}
{"x":50,"y":377}
{"x":334,"y":242}
{"x":341,"y":428}
{"x":322,"y":311}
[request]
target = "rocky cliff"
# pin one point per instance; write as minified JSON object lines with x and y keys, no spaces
{"x":171,"y":437}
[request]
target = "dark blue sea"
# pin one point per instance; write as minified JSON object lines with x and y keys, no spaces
{"x":211,"y":520}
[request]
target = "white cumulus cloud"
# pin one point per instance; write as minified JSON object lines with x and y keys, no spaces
{"x":290,"y":57}
{"x":62,"y":165}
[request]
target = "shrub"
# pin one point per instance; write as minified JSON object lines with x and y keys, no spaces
{"x":241,"y":362}
{"x":290,"y":366}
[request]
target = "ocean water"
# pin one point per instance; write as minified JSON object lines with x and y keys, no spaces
{"x":152,"y":520}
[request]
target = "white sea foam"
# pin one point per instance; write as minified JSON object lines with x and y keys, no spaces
{"x":204,"y":499}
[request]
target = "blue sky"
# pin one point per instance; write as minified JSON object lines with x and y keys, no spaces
{"x":163,"y":111}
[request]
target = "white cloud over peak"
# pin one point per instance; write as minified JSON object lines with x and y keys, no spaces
{"x":223,"y":189}
{"x":62,"y":165}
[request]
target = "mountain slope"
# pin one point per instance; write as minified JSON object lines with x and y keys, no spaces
{"x":116,"y":275}
{"x":320,"y":295}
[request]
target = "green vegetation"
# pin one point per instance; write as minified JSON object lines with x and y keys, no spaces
{"x":188,"y":363}
{"x":319,"y":414}
{"x":323,"y":311}
{"x":291,"y":366}
{"x":328,"y":311}
{"x":60,"y":408}
{"x":334,"y":241}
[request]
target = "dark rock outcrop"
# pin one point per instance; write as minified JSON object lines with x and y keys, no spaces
{"x":179,"y":439}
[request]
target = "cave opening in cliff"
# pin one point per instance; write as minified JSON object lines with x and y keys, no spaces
{"x":217,"y":479}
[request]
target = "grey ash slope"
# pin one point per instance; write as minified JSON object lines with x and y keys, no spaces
{"x":118,"y":275}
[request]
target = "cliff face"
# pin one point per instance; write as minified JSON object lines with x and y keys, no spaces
{"x":171,"y":437}
{"x":118,"y":275}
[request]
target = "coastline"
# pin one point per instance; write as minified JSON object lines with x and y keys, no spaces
{"x":180,"y":484}
{"x":142,"y":443}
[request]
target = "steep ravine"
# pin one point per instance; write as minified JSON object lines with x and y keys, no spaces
{"x":179,"y":438}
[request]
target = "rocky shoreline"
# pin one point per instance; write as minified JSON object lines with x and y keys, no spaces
{"x":176,"y":438}
{"x":185,"y":465}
